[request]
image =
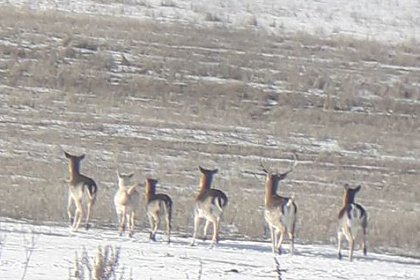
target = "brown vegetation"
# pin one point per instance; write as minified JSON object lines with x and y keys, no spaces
{"x":188,"y":95}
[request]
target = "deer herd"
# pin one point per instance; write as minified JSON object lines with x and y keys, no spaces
{"x":280,"y":212}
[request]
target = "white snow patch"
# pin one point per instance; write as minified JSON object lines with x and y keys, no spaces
{"x":388,"y":20}
{"x":55,"y":248}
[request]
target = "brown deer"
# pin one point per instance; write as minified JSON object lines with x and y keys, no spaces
{"x":126,"y":201}
{"x":81,"y":189}
{"x":351,"y":218}
{"x":280,"y":212}
{"x":209,"y":205}
{"x":157,"y":204}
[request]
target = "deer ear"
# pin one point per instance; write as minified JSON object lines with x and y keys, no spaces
{"x":67,"y":155}
{"x":82,"y":157}
{"x":358,"y":188}
{"x":346,"y":186}
{"x":215,"y":171}
{"x":201,"y":169}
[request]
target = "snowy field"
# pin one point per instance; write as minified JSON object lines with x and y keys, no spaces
{"x":55,"y":247}
{"x":391,"y":21}
{"x":40,"y":132}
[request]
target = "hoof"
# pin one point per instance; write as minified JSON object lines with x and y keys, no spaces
{"x":340,"y":256}
{"x":152,"y":237}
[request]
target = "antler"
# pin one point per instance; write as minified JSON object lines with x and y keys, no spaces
{"x":263,"y":167}
{"x":292,"y":166}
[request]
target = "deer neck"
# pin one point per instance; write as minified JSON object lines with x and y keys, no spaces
{"x":269,"y":190}
{"x":149,"y":195}
{"x":121,"y":186}
{"x":347,"y":199}
{"x":74,"y":169}
{"x":150,"y":191}
{"x":205,"y":183}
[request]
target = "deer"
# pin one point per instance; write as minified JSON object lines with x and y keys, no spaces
{"x":126,"y":202}
{"x":157,"y":204}
{"x":209,"y":205}
{"x":82,"y":190}
{"x":351,"y":218}
{"x":280,"y":212}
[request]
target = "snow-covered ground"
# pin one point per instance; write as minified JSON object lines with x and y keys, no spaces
{"x":391,"y":21}
{"x":55,"y":249}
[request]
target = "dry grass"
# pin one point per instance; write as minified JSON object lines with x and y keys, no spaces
{"x":296,"y":91}
{"x":105,"y":266}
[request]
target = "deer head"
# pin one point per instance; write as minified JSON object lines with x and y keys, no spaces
{"x":124,"y":180}
{"x":273,"y":178}
{"x":206,"y":177}
{"x":350,"y":193}
{"x":74,"y":165}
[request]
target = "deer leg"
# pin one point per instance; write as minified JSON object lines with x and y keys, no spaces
{"x":273,"y":238}
{"x":119,"y":217}
{"x":152,"y":225}
{"x":196,"y":225}
{"x":217,"y":229}
{"x":168,"y":227}
{"x":131,"y":224}
{"x":339,"y":240}
{"x":280,"y":233}
{"x":351,"y":245}
{"x":78,"y":214}
{"x":292,"y":242}
{"x":206,"y":226}
{"x":157,"y":223}
{"x":89,"y":207}
{"x":69,"y":212}
{"x":364,"y":241}
{"x":122,"y":221}
{"x":350,"y":239}
{"x":215,"y":238}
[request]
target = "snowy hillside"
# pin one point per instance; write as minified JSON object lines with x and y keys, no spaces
{"x":157,"y":87}
{"x":391,"y":21}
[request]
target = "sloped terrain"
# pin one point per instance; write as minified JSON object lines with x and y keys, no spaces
{"x":161,"y":97}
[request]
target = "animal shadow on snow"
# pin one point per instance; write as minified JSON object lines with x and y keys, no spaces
{"x":328,"y":253}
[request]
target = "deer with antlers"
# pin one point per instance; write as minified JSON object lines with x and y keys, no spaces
{"x":82,"y":190}
{"x":280,"y":212}
{"x":157,"y":204}
{"x":351,"y":218}
{"x":209,"y":205}
{"x":126,"y":201}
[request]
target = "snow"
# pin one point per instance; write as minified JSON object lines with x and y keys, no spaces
{"x":55,"y":248}
{"x":391,"y":21}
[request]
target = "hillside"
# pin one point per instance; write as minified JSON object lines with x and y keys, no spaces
{"x":159,"y":87}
